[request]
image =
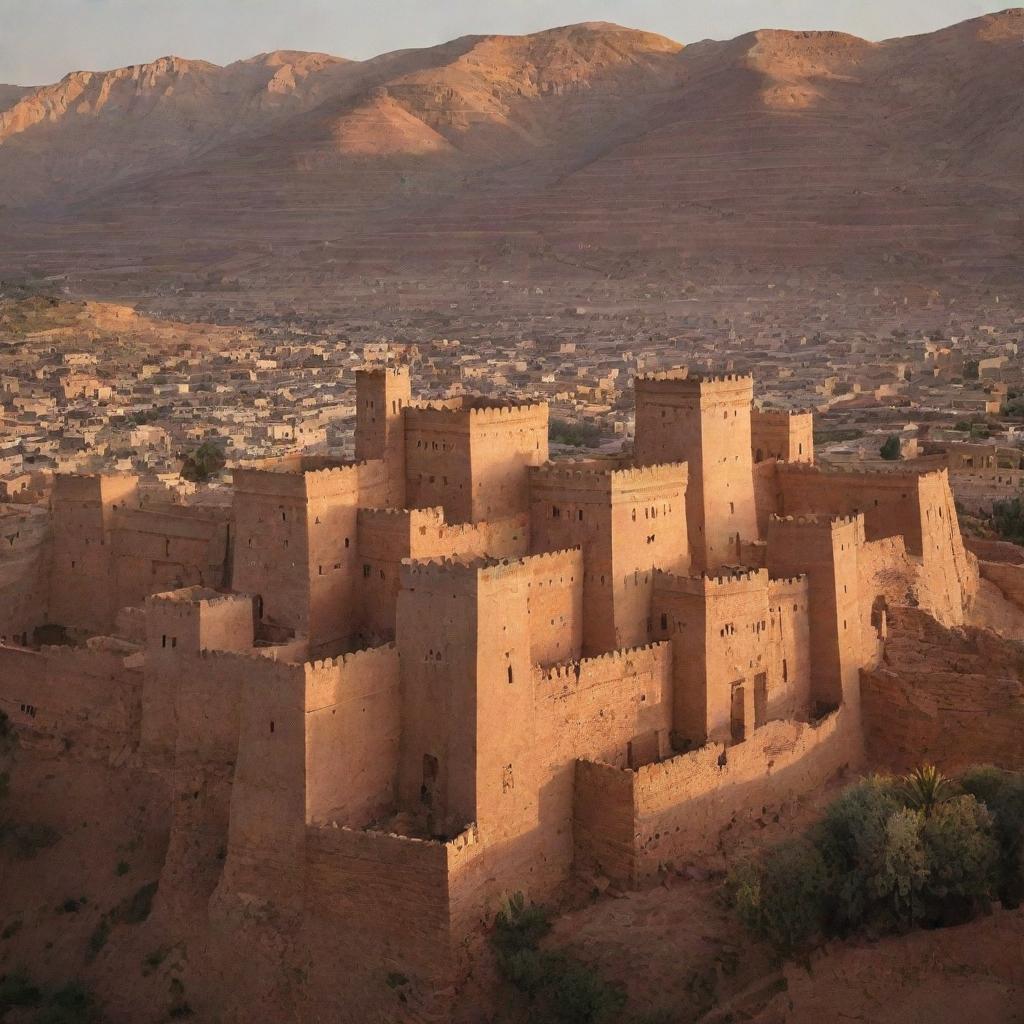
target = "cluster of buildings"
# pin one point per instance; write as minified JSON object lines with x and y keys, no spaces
{"x":139,"y":397}
{"x":394,"y":689}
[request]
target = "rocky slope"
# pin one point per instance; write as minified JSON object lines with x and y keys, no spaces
{"x":592,"y":148}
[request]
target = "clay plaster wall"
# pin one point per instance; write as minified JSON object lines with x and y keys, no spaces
{"x":627,"y":523}
{"x":353,"y":708}
{"x":296,"y":546}
{"x":740,"y":651}
{"x":682,"y":808}
{"x":89,"y":697}
{"x":472,"y":458}
{"x":388,"y":536}
{"x":705,"y":423}
{"x":783,"y":435}
{"x":83,"y":590}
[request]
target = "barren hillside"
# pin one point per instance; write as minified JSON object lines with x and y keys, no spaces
{"x":590,"y":148}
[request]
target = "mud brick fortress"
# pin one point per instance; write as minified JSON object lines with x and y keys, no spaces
{"x":389,"y":693}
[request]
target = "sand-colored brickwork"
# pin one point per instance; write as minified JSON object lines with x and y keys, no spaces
{"x":387,"y":693}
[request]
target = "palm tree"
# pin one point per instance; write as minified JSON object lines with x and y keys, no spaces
{"x":926,"y":787}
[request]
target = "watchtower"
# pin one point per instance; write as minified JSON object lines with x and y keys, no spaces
{"x":381,"y":396}
{"x":467,"y":695}
{"x":705,"y":422}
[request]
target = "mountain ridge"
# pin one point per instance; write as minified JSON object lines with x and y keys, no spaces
{"x":621,"y":147}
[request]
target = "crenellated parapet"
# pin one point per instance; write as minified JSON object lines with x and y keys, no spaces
{"x":713,"y":584}
{"x":876,"y":475}
{"x":627,"y":660}
{"x":705,"y":388}
{"x":813,"y":521}
{"x":301,"y":477}
{"x":473,"y":410}
{"x":441,"y":571}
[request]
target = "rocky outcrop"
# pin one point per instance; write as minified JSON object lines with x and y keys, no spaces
{"x":954,"y":697}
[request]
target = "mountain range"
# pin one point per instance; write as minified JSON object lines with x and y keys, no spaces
{"x":591,"y":148}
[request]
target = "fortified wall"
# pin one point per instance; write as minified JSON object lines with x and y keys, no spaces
{"x":401,"y":688}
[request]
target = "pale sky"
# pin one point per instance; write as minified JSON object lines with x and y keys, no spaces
{"x":41,"y":40}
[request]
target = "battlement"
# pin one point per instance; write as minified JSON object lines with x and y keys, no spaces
{"x":875,"y":475}
{"x":472,"y":410}
{"x":811,"y":521}
{"x":374,"y":370}
{"x":303,"y":477}
{"x":704,"y":384}
{"x":286,"y":672}
{"x":294,"y":464}
{"x":349,"y":660}
{"x":782,"y":417}
{"x":191,"y":596}
{"x":449,"y":570}
{"x":328,"y":830}
{"x":784,"y":584}
{"x":371,"y":515}
{"x":711,"y":585}
{"x":604,"y":475}
{"x":91,"y":486}
{"x":623,"y":659}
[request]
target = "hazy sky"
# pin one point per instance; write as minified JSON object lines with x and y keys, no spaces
{"x":41,"y":40}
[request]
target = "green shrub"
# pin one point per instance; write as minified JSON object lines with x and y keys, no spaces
{"x":890,"y":449}
{"x":962,"y":860}
{"x":888,"y":855}
{"x":926,"y":787}
{"x":1002,"y":793}
{"x":852,"y":839}
{"x":579,"y":995}
{"x":17,"y":990}
{"x":203,"y":463}
{"x":71,"y":1004}
{"x":1008,"y":519}
{"x":577,"y":435}
{"x":893,"y":895}
{"x":783,"y":899}
{"x":561,"y":989}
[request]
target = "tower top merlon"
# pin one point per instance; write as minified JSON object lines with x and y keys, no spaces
{"x":681,"y":379}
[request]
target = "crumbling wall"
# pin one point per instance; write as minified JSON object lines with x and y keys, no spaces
{"x":953,"y":697}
